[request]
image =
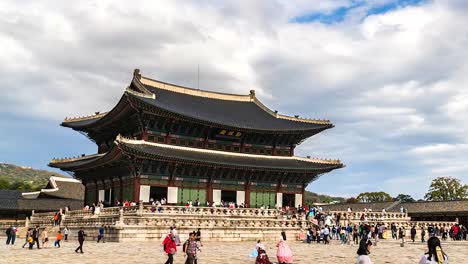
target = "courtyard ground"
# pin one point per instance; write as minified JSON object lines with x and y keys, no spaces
{"x":222,"y":252}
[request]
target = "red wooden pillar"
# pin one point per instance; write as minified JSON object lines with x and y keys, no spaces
{"x":121,"y":190}
{"x":96,"y":198}
{"x":136,"y":189}
{"x":303,"y":195}
{"x":209,"y":189}
{"x":247,"y":193}
{"x":209,"y":192}
{"x":85,"y":193}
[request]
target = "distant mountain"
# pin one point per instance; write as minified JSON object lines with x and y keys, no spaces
{"x":311,"y":197}
{"x":13,"y":177}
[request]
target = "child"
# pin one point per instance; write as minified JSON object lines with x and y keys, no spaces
{"x":30,"y":241}
{"x":58,"y":239}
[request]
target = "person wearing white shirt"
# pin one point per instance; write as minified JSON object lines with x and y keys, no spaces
{"x":364,"y":251}
{"x":435,"y":255}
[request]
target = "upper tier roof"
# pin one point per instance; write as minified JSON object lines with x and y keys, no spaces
{"x":236,"y":111}
{"x":149,"y":150}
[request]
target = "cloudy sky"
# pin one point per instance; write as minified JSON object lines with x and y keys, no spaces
{"x":391,"y":75}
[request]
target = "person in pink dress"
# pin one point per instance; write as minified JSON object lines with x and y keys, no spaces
{"x":284,"y":253}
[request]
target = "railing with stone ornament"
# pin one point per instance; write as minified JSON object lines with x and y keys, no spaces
{"x":79,"y":213}
{"x":211,"y":211}
{"x":370,"y":216}
{"x":205,"y":222}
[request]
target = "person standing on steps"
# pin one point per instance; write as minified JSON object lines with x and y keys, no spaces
{"x":81,"y":238}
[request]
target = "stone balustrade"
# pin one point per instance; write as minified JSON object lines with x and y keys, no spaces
{"x":370,"y":215}
{"x":136,"y":223}
{"x":217,"y":211}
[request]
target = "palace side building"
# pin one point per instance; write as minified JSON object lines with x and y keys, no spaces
{"x":167,"y":141}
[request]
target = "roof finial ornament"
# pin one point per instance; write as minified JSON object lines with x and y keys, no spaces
{"x":136,"y":73}
{"x":252,"y":94}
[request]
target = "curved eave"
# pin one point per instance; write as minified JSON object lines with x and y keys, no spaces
{"x":86,"y":162}
{"x":150,"y":150}
{"x":88,"y":123}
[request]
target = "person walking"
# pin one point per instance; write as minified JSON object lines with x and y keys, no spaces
{"x":66,"y":232}
{"x":45,"y":238}
{"x":198,"y":237}
{"x":284,"y":253}
{"x":8,"y":234}
{"x":35,"y":236}
{"x":58,"y":239}
{"x":171,"y":249}
{"x":101,"y":234}
{"x":13,"y":235}
{"x":423,"y":233}
{"x":190,"y":248}
{"x":28,"y":235}
{"x":413,"y":233}
{"x":81,"y":238}
{"x":326,"y":233}
{"x":364,"y":251}
{"x":435,"y":254}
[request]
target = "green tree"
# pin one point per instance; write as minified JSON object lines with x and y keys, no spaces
{"x":405,"y":198}
{"x":352,"y":200}
{"x":372,"y":197}
{"x":446,"y":189}
{"x":4,"y":184}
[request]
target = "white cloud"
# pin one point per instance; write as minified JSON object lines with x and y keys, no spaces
{"x":393,"y":83}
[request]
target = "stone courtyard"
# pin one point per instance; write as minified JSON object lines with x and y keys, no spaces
{"x":222,"y":252}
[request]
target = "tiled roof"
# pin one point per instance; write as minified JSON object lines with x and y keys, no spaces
{"x":9,"y":199}
{"x":150,"y":150}
{"x":236,"y":111}
{"x":222,"y":158}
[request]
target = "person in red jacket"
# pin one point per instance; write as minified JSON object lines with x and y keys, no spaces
{"x":170,"y":248}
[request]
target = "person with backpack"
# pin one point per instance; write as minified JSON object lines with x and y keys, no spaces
{"x":190,"y":248}
{"x":170,"y":248}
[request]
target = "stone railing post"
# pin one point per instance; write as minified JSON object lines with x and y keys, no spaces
{"x":120,"y":222}
{"x":140,"y":208}
{"x":26,"y":223}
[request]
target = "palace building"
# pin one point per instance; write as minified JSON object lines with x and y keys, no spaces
{"x":167,"y":141}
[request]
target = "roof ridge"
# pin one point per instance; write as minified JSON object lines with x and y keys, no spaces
{"x":122,"y":139}
{"x":223,"y":96}
{"x":195,"y":92}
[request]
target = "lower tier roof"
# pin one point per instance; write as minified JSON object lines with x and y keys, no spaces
{"x":156,"y":151}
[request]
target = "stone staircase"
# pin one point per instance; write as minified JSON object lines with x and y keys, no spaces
{"x":137,"y":223}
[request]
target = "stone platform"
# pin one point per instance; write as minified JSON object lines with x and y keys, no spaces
{"x":222,"y":252}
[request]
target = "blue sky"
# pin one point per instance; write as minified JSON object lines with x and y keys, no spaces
{"x":389,"y":74}
{"x":365,"y":8}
